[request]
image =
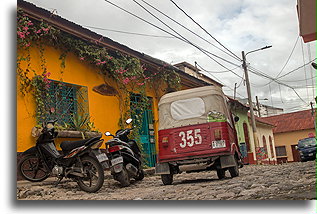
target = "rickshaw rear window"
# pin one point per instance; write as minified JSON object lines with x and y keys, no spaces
{"x":187,"y":108}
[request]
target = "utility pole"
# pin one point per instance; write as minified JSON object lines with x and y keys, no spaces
{"x":235,"y":91}
{"x":255,"y":134}
{"x":258,"y":106}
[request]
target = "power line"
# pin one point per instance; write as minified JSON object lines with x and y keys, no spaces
{"x":311,"y":78}
{"x":304,"y":66}
{"x":186,"y":40}
{"x":210,"y":73}
{"x":182,"y":39}
{"x":217,"y":72}
{"x":292,"y":71}
{"x":311,"y":69}
{"x":252,"y":70}
{"x":125,"y":32}
{"x":288,"y":58}
{"x":237,"y":58}
{"x":204,"y":29}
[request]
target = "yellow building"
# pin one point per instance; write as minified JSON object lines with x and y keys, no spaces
{"x":90,"y":83}
{"x":290,"y":128}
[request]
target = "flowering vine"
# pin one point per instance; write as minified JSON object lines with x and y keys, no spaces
{"x":128,"y":72}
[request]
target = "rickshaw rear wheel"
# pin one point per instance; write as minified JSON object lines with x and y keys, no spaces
{"x":167,"y":179}
{"x":234,"y":171}
{"x":221,"y":173}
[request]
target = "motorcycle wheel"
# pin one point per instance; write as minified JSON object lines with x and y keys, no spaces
{"x":123,"y":177}
{"x":140,"y":176}
{"x":94,"y":175}
{"x":31,"y":168}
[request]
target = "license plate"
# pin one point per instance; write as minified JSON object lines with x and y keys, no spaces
{"x":218,"y":144}
{"x":102,"y":157}
{"x":116,"y":161}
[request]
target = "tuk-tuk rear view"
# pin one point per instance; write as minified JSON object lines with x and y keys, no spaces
{"x":196,"y":133}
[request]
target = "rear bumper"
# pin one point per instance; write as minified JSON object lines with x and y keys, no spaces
{"x":191,"y":157}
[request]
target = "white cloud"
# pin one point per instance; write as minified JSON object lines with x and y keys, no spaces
{"x":239,"y":25}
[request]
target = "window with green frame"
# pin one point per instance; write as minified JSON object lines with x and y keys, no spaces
{"x":68,"y":103}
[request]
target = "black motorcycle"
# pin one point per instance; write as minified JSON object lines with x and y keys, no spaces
{"x":81,"y":160}
{"x":124,"y":157}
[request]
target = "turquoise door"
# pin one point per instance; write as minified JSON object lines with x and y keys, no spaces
{"x":147,"y":132}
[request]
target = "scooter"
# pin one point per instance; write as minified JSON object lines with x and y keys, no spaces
{"x":124,"y":157}
{"x":81,"y":160}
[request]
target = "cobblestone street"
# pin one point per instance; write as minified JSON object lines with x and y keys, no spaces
{"x":288,"y":181}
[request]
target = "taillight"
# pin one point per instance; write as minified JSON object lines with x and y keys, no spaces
{"x":115,"y":148}
{"x":217,"y":134}
{"x":165,"y":141}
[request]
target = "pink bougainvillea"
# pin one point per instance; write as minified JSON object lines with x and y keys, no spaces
{"x":126,"y":80}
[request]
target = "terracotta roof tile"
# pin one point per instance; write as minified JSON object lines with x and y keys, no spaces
{"x":294,"y":121}
{"x":262,"y":120}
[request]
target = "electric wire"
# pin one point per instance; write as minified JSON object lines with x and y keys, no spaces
{"x":217,"y":72}
{"x":205,"y":30}
{"x":289,"y":57}
{"x":164,"y":14}
{"x":202,"y":50}
{"x":184,"y":40}
{"x":126,"y":32}
{"x":189,"y":42}
{"x":311,"y":69}
{"x":304,"y":67}
{"x":268,"y":77}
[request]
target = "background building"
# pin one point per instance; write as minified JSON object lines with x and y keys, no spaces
{"x":290,"y":128}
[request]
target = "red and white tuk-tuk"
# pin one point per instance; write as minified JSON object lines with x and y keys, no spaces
{"x":196,"y":133}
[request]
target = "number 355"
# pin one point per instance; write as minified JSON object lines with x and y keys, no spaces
{"x":190,"y":138}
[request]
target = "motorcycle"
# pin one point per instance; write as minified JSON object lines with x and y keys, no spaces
{"x":124,"y":157}
{"x":81,"y":161}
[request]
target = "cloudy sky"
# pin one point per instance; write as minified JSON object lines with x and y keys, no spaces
{"x":238,"y":25}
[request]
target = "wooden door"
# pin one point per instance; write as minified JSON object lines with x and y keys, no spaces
{"x":295,"y":153}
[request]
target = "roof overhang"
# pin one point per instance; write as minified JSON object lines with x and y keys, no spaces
{"x":97,"y":39}
{"x":306,"y":10}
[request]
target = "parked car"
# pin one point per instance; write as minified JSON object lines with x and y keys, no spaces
{"x":307,"y":149}
{"x":196,"y":133}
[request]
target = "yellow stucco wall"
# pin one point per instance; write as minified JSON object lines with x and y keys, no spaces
{"x":104,"y":110}
{"x":288,"y":139}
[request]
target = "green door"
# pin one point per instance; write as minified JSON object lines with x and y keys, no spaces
{"x":147,"y":138}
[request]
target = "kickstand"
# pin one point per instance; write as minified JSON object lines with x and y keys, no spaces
{"x":58,"y":181}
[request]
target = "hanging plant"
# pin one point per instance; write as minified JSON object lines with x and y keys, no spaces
{"x":127,"y":71}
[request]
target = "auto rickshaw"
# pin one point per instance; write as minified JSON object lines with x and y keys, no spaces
{"x":196,"y":133}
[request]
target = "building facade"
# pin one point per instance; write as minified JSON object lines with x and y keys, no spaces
{"x":89,"y":82}
{"x":290,"y":128}
{"x":246,"y":139}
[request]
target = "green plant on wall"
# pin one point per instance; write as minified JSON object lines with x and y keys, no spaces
{"x":127,"y":71}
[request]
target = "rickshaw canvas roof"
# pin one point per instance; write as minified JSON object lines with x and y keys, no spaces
{"x":191,"y":93}
{"x":191,"y":106}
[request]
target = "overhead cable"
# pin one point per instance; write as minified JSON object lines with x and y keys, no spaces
{"x":229,"y":54}
{"x":204,"y":29}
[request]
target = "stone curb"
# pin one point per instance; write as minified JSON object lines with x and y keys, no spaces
{"x":24,"y":183}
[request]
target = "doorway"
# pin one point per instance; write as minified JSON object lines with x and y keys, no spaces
{"x":147,"y":136}
{"x":295,"y":153}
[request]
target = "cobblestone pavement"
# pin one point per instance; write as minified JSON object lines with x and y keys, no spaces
{"x":273,"y":182}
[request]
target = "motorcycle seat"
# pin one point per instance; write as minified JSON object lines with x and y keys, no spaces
{"x":70,"y":145}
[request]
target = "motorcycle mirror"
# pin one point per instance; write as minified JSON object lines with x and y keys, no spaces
{"x":128,"y":121}
{"x":108,"y":134}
